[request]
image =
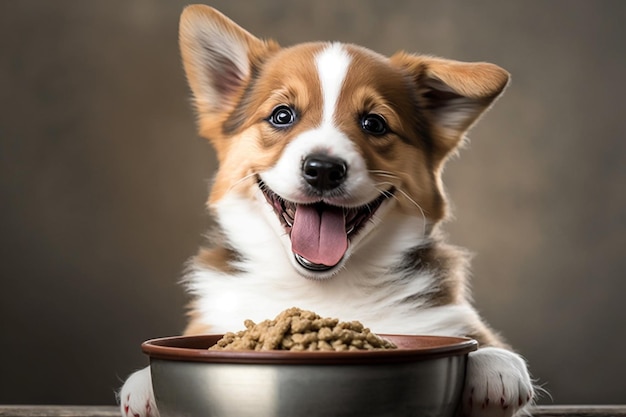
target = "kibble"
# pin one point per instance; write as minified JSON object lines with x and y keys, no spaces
{"x":301,"y":330}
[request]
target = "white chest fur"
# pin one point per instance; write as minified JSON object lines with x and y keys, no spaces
{"x":365,"y":289}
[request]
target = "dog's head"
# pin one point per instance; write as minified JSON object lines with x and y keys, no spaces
{"x":332,"y":135}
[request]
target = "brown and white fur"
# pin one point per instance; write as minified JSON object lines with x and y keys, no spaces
{"x":360,"y":140}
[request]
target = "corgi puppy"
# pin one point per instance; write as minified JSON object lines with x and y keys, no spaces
{"x":328,"y":195}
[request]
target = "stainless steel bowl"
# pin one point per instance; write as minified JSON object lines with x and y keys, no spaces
{"x":423,"y":377}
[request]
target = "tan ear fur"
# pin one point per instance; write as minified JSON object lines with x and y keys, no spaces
{"x":218,"y":56}
{"x":452,"y":94}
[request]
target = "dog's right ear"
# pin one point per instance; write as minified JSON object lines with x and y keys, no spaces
{"x":219,"y":56}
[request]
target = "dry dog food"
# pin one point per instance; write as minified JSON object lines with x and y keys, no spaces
{"x":299,"y":330}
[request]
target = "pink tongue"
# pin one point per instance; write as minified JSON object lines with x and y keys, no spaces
{"x":319,"y":237}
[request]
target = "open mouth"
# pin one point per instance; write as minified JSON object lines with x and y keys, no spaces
{"x":320,"y":232}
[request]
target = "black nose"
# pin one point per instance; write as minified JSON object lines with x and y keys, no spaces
{"x":324,"y":172}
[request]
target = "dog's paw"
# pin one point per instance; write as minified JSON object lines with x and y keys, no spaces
{"x":497,"y":384}
{"x":136,"y":398}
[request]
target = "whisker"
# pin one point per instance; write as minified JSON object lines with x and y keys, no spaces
{"x":386,"y":192}
{"x":382,"y":173}
{"x":240,"y":181}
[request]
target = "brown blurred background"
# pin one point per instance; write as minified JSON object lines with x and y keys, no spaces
{"x":103,"y":179}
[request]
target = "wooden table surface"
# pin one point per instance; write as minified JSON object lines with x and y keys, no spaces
{"x":113,"y":411}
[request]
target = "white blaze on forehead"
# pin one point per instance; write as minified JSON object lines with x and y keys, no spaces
{"x":332,"y":66}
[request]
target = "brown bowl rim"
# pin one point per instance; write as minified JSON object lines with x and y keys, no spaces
{"x":411,"y":348}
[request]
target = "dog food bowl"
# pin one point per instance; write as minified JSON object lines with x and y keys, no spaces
{"x":423,"y":377}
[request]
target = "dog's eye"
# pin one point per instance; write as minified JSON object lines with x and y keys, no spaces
{"x":374,"y":124}
{"x":282,"y":116}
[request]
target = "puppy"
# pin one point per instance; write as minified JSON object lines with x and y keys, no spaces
{"x":328,"y":194}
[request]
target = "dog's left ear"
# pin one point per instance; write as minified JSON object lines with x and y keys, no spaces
{"x":452,"y":94}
